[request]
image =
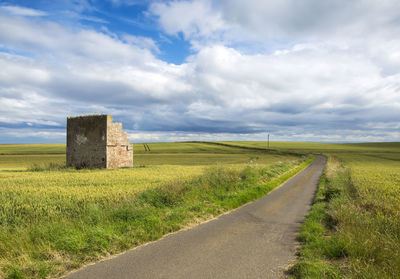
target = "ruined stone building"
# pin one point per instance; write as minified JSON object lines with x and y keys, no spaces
{"x":93,"y":141}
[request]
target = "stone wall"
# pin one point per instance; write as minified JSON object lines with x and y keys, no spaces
{"x":119,"y":150}
{"x":95,"y":142}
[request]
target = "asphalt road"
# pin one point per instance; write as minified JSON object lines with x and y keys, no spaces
{"x":257,"y":240}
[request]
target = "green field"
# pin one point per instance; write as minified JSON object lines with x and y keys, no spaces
{"x":54,"y":219}
{"x":23,"y":156}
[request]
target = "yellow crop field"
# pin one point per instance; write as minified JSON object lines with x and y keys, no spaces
{"x":368,"y":215}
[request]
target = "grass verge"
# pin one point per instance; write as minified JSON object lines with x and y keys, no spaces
{"x":353,"y":229}
{"x":34,"y":245}
{"x":319,"y":247}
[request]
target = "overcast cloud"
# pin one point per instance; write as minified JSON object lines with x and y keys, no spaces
{"x":305,"y":70}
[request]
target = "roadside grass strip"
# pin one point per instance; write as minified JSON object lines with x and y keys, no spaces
{"x":318,"y":246}
{"x":353,"y":229}
{"x":48,"y":233}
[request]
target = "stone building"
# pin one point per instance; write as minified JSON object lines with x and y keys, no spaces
{"x":93,"y":141}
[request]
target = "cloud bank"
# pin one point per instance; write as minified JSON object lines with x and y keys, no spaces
{"x":309,"y":71}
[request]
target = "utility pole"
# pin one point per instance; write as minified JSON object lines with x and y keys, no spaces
{"x":268,"y":142}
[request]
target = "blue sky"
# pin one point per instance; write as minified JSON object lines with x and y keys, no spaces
{"x":202,"y":70}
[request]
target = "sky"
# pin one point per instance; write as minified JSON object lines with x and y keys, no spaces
{"x":299,"y":70}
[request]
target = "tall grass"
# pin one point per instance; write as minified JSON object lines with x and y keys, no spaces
{"x":47,"y":167}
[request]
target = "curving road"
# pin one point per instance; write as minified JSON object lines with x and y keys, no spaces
{"x":257,"y":240}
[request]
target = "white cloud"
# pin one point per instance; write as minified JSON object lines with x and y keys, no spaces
{"x":255,"y":26}
{"x":79,"y":16}
{"x":141,"y":42}
{"x":40,"y":134}
{"x":21,"y":11}
{"x":128,"y":2}
{"x":46,"y":38}
{"x":281,"y":20}
{"x":18,"y":72}
{"x":194,"y":19}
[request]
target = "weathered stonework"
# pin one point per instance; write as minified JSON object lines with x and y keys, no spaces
{"x":94,"y":141}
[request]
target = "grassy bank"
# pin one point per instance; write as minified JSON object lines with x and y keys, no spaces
{"x":56,"y":219}
{"x":353,"y":230}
